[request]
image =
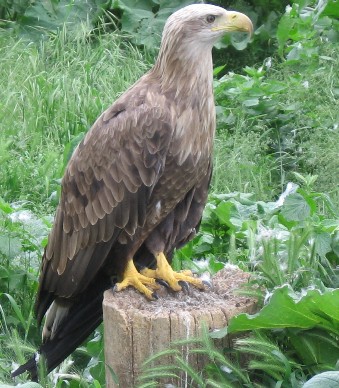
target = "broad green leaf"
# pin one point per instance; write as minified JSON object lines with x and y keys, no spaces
{"x":129,"y":21}
{"x":283,"y":32}
{"x":138,"y":5}
{"x":227,"y":210}
{"x":329,"y":225}
{"x":315,"y":347}
{"x":218,"y":69}
{"x":323,"y":380}
{"x":41,"y":16}
{"x":5,"y":207}
{"x":331,"y":9}
{"x":217,"y":334}
{"x":251,"y":102}
{"x":295,"y":208}
{"x":323,"y":243}
{"x":310,"y":201}
{"x":146,"y":26}
{"x":172,"y":5}
{"x":10,"y":246}
{"x":288,"y":309}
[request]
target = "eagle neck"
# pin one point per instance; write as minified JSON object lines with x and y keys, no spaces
{"x":185,"y":72}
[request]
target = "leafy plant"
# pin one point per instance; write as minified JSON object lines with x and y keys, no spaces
{"x":300,"y":28}
{"x":288,"y":104}
{"x":35,"y":19}
{"x":291,"y":240}
{"x":290,"y":246}
{"x":323,"y":380}
{"x":144,"y":20}
{"x":306,"y":323}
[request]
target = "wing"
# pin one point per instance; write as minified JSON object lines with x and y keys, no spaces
{"x":105,"y":190}
{"x":188,"y":215}
{"x":179,"y":227}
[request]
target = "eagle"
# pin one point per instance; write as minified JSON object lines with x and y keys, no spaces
{"x":135,"y":187}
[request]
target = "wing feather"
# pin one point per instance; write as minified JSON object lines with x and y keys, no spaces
{"x":105,"y":191}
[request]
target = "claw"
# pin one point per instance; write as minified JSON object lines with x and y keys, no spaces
{"x":184,"y":285}
{"x":207,"y":283}
{"x":163,"y":283}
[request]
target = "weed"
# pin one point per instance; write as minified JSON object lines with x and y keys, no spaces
{"x":51,"y":94}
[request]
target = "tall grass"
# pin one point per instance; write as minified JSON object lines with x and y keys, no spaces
{"x":242,"y":163}
{"x":50,"y":93}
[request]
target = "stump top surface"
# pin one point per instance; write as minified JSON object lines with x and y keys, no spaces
{"x":221,"y":295}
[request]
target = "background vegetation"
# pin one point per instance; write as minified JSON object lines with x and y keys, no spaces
{"x":62,"y":63}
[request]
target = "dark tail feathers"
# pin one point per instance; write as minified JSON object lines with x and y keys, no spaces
{"x":84,"y":316}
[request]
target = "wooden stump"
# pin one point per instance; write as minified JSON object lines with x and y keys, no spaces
{"x":136,"y":328}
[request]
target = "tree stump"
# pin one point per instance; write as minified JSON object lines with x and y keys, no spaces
{"x":136,"y":328}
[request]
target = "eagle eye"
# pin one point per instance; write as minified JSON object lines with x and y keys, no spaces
{"x":210,"y":18}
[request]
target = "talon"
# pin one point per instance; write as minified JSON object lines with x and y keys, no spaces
{"x":207,"y":283}
{"x":163,"y":283}
{"x":155,"y":295}
{"x":114,"y":289}
{"x":184,"y":285}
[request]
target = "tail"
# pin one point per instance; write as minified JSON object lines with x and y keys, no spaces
{"x":82,"y":319}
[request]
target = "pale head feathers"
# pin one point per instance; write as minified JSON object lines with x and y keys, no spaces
{"x":187,"y":40}
{"x":192,"y":24}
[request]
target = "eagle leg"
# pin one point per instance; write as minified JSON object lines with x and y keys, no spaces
{"x":165,"y":272}
{"x":133,"y":278}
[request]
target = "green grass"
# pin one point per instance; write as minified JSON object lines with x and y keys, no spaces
{"x":52,"y":92}
{"x":49,"y":94}
{"x":241,"y":163}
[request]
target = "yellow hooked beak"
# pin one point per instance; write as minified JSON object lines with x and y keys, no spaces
{"x":234,"y":21}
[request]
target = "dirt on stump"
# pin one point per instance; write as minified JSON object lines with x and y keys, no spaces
{"x":136,"y":328}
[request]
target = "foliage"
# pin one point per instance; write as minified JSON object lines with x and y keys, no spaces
{"x":51,"y":94}
{"x":36,"y":18}
{"x":323,"y":380}
{"x":291,"y":240}
{"x":305,"y":323}
{"x":277,"y":122}
{"x":144,"y":20}
{"x":141,"y":20}
{"x":302,"y":25}
{"x":299,"y":128}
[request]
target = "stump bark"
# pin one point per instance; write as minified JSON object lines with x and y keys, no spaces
{"x":136,"y":328}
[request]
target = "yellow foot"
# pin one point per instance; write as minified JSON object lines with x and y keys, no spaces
{"x":166,"y":273}
{"x":133,"y":278}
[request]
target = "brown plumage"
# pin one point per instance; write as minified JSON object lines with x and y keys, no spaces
{"x":135,"y":187}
